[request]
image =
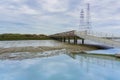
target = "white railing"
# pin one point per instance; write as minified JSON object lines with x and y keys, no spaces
{"x":97,"y":34}
{"x":94,"y":37}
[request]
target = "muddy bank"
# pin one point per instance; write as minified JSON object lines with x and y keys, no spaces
{"x":70,"y":48}
{"x":29,"y":55}
{"x":19,"y":53}
{"x":27,"y":49}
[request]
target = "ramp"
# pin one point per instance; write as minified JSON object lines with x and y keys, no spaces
{"x":84,"y":35}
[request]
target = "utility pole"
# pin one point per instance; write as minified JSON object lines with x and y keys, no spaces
{"x":82,"y":20}
{"x":88,"y":17}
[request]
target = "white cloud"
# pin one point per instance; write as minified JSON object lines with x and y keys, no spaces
{"x":54,"y":5}
{"x":57,"y":15}
{"x":15,"y":10}
{"x":27,"y":10}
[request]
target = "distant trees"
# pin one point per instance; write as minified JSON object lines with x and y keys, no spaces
{"x":23,"y":37}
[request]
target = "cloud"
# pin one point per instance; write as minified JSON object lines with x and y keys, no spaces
{"x":27,"y":10}
{"x":17,"y":10}
{"x":54,"y":5}
{"x":45,"y":16}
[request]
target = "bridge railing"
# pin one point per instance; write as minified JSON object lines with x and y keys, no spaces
{"x":94,"y":37}
{"x":100,"y":34}
{"x":97,"y":34}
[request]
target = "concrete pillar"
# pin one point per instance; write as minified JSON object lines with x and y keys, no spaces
{"x":68,"y":39}
{"x":64,"y":39}
{"x":58,"y":39}
{"x":82,"y":41}
{"x":75,"y":40}
{"x":61,"y":39}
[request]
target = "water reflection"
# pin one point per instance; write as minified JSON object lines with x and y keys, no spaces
{"x":87,"y":61}
{"x":26,"y":43}
{"x":65,"y":66}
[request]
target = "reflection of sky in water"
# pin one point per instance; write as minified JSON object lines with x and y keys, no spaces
{"x":61,"y":67}
{"x":106,"y":51}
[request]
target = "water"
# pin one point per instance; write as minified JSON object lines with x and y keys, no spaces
{"x":111,"y":51}
{"x":56,"y":65}
{"x":26,"y":43}
{"x":61,"y":67}
{"x":117,"y":40}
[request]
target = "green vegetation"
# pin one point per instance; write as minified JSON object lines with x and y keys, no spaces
{"x":23,"y":37}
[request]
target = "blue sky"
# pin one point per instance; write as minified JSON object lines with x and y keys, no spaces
{"x":52,"y":16}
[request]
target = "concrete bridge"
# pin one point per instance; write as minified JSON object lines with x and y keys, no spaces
{"x":67,"y":36}
{"x":85,"y":35}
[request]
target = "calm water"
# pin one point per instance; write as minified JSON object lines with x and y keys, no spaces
{"x":25,"y":43}
{"x":61,"y":67}
{"x":58,"y":65}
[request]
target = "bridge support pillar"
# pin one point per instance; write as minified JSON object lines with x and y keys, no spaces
{"x":68,"y":39}
{"x":75,"y":40}
{"x":64,"y":39}
{"x":82,"y":41}
{"x":61,"y":39}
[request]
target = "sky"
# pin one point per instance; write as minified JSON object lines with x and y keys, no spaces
{"x":53,"y":16}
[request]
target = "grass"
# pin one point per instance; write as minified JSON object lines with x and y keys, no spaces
{"x":23,"y":37}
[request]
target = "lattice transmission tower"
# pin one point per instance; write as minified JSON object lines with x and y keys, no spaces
{"x":85,"y":19}
{"x":88,"y":18}
{"x":82,"y":20}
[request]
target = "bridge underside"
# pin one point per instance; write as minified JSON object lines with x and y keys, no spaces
{"x":67,"y":37}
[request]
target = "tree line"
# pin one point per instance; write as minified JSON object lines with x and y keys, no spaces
{"x":23,"y":37}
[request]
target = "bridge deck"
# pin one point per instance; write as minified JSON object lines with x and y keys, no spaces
{"x":84,"y":35}
{"x":104,"y":41}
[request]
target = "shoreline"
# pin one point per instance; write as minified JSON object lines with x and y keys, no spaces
{"x":70,"y":48}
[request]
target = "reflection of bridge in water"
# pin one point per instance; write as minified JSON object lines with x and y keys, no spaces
{"x":87,"y":61}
